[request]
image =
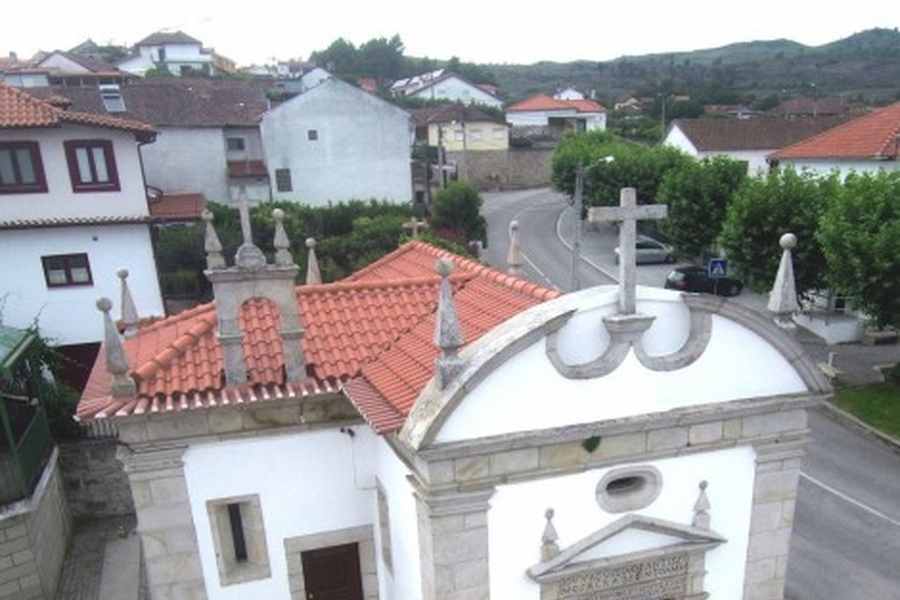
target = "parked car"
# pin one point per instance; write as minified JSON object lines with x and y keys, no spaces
{"x":696,"y":279}
{"x":648,"y":250}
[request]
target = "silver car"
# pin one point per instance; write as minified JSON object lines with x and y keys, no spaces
{"x":649,"y":251}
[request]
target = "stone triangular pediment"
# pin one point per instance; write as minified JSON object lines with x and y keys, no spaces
{"x":643,"y":537}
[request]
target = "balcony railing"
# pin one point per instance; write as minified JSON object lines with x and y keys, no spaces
{"x":28,"y":444}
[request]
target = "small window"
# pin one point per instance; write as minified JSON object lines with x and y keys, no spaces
{"x":21,"y":169}
{"x":312,"y":135}
{"x":66,"y":270}
{"x":112,"y":98}
{"x":384,"y":526}
{"x":161,"y":53}
{"x":235,"y":144}
{"x":629,"y":489}
{"x":283,"y":180}
{"x":92,"y":166}
{"x":239,"y":539}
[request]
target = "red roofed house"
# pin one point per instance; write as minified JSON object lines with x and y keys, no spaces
{"x":73,"y":211}
{"x":867,"y":143}
{"x":408,"y":434}
{"x":545,"y":111}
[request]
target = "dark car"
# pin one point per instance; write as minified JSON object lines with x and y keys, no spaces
{"x":696,"y":279}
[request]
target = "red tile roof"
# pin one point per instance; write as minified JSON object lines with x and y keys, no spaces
{"x":871,"y":136}
{"x":20,"y":109}
{"x":177,"y":207}
{"x":542,"y":102}
{"x":381,"y":314}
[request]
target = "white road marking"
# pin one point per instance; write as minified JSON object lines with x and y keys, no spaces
{"x":563,"y":241}
{"x":852,"y":501}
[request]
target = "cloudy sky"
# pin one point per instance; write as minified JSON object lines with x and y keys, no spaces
{"x":520,"y":31}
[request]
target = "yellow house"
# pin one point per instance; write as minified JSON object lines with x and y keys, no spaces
{"x":460,"y":128}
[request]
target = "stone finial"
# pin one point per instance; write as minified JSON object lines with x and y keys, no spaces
{"x":549,"y":546}
{"x":701,"y":508}
{"x":783,"y":297}
{"x":123,"y":385}
{"x":213,"y":247}
{"x":282,"y":244}
{"x":447,"y":331}
{"x":514,"y":256}
{"x":129,"y":310}
{"x":248,"y":256}
{"x":313,"y":274}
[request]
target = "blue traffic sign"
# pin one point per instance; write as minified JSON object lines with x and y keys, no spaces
{"x":717,"y":268}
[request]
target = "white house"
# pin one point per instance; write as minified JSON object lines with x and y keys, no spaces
{"x":543,"y":111}
{"x":177,"y":52}
{"x":444,"y":85}
{"x":865,"y":144}
{"x":408,"y":434}
{"x":568,"y":93}
{"x":337,"y":142}
{"x":208,"y":137}
{"x":747,"y":140}
{"x":74,"y":211}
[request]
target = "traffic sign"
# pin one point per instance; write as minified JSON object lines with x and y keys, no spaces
{"x":717,"y":268}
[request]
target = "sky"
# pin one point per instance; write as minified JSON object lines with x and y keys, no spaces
{"x":489,"y":31}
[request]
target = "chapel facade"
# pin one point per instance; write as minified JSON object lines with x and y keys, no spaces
{"x":447,"y":431}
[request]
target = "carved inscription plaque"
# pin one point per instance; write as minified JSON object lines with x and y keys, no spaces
{"x":655,"y":579}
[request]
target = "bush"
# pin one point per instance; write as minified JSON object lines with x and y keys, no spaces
{"x":860,"y":237}
{"x":698,"y":194}
{"x":458,"y":208}
{"x":764,"y":209}
{"x":636,"y":166}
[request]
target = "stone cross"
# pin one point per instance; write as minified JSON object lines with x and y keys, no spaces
{"x":248,"y":256}
{"x":628,"y":213}
{"x":413,"y":226}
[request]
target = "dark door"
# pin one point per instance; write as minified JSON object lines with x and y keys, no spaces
{"x":332,"y":573}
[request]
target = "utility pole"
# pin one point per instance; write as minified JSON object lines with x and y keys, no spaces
{"x":579,"y":208}
{"x":663,"y":122}
{"x":441,"y":154}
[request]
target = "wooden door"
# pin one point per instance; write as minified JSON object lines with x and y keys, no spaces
{"x":332,"y":573}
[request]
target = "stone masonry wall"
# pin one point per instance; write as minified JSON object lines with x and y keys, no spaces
{"x":504,"y":169}
{"x":33,"y":542}
{"x":94,"y":480}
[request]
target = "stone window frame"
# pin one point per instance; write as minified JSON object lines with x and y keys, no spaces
{"x":363,"y":536}
{"x":257,"y":565}
{"x":634,"y":500}
{"x":384,"y":526}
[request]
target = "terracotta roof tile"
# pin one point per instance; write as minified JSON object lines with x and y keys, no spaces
{"x":247,"y":168}
{"x":712,"y":134}
{"x":177,"y":207}
{"x":543,"y":102}
{"x":872,"y":136}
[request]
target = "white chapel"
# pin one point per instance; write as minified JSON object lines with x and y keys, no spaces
{"x":432,"y":429}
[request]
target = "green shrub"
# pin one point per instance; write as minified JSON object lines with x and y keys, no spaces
{"x":458,"y":208}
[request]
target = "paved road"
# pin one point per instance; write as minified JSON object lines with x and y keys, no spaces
{"x":846,"y":542}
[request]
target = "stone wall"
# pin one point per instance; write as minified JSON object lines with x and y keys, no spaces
{"x":34,"y":535}
{"x":95,"y":482}
{"x":505,"y":169}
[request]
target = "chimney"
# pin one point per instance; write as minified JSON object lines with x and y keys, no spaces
{"x":253,"y":277}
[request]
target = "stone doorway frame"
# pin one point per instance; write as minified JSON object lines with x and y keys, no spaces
{"x":363,"y":536}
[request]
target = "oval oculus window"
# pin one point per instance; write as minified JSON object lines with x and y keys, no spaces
{"x":628,"y":489}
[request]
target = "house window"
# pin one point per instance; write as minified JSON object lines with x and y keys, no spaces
{"x":239,"y":539}
{"x":92,"y":166}
{"x":283,"y":180}
{"x":112,"y":98}
{"x":312,"y":135}
{"x":384,"y":526}
{"x":66,"y":270}
{"x":21,"y":169}
{"x":235,"y":144}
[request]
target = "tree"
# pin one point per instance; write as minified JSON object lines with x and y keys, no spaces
{"x":340,"y":57}
{"x":698,"y":194}
{"x":860,"y":237}
{"x":458,"y":208}
{"x":764,"y":209}
{"x":633,"y":165}
{"x":382,"y":58}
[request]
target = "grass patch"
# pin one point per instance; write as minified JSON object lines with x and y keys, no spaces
{"x":878,"y":405}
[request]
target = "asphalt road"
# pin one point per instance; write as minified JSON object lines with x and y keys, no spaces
{"x":846,"y":542}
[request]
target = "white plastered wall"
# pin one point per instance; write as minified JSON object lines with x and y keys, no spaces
{"x":737,"y":363}
{"x":516,"y":519}
{"x":310,"y":482}
{"x":188,"y":159}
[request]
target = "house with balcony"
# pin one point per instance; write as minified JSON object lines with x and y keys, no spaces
{"x":75,"y":219}
{"x":175,"y":52}
{"x":559,"y":114}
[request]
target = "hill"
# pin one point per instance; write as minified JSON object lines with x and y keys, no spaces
{"x":866,"y":63}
